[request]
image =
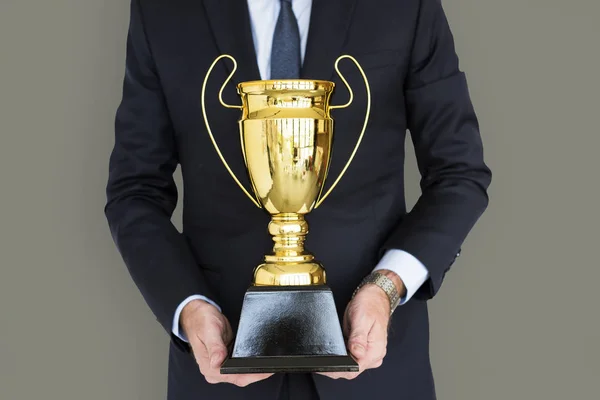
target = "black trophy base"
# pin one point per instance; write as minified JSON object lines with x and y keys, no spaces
{"x":289,"y":329}
{"x":258,"y":365}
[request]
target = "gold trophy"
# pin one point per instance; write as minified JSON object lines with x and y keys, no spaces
{"x":289,"y":321}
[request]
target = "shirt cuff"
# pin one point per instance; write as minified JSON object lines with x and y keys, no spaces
{"x":177,"y":331}
{"x":412,"y":272}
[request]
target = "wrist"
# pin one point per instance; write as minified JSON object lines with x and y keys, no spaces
{"x":372,"y":291}
{"x":194,"y":308}
{"x":384,"y":282}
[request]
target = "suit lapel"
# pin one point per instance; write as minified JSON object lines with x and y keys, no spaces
{"x":230,"y":23}
{"x":329,"y":22}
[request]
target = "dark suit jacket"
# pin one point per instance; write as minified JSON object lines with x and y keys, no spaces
{"x":407,"y":51}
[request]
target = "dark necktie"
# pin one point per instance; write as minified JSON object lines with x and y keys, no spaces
{"x":285,"y":54}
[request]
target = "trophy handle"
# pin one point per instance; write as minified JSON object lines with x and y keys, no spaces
{"x":360,"y":137}
{"x":212,"y":138}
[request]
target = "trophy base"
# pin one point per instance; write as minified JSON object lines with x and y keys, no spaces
{"x":289,"y":329}
{"x":260,"y":365}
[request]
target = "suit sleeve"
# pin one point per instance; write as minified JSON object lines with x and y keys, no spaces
{"x":449,"y":151}
{"x":141,"y":192}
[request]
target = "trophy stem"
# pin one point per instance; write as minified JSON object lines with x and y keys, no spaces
{"x":290,"y":264}
{"x":289,"y":231}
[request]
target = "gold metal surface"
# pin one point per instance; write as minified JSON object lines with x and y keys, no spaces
{"x":286,"y":134}
{"x":289,"y":264}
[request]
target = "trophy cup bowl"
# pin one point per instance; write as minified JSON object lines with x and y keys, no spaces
{"x":286,"y":135}
{"x":289,"y":322}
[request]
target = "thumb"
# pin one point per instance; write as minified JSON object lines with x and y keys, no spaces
{"x":217,"y":351}
{"x":357,"y":340}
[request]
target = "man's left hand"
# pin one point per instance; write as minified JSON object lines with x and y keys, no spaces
{"x":365,"y":325}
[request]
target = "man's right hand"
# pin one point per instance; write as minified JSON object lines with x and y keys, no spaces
{"x":209,"y":334}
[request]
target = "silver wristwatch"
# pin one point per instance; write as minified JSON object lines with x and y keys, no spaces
{"x":386,"y":284}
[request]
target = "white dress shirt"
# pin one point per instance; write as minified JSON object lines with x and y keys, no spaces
{"x":263,"y":18}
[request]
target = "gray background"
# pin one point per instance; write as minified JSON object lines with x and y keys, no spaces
{"x":517,"y":317}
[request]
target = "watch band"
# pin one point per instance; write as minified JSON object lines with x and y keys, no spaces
{"x":385,"y":284}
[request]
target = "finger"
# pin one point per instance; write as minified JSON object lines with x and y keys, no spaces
{"x":210,"y":351}
{"x":248,"y":379}
{"x":235,"y":379}
{"x":376,"y":347}
{"x":358,"y":337}
{"x":227,"y":333}
{"x":216,"y":349}
{"x":203,"y":360}
{"x":340,"y":375}
{"x":201,"y":355}
{"x":377,"y":342}
{"x":346,"y":322}
{"x":241,"y":381}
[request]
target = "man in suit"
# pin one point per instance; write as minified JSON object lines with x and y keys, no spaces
{"x":194,"y":281}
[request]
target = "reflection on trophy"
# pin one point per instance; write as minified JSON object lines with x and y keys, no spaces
{"x":289,"y":321}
